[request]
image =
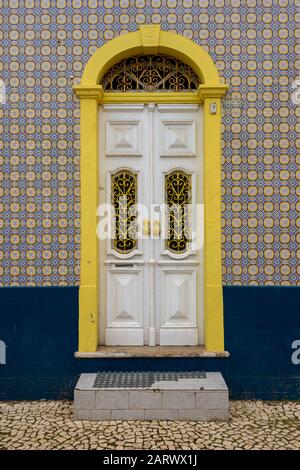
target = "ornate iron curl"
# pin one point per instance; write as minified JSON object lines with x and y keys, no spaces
{"x":150,"y":73}
{"x":124,"y":199}
{"x":178,"y":192}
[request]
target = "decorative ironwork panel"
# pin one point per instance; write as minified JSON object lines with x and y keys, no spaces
{"x":124,"y":200}
{"x":178,"y":194}
{"x":150,"y":73}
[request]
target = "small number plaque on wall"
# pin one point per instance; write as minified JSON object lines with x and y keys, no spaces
{"x":213,"y":108}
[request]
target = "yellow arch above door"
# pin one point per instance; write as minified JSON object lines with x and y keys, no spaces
{"x":150,"y":40}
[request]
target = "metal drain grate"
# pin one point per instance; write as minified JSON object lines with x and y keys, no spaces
{"x":141,"y":379}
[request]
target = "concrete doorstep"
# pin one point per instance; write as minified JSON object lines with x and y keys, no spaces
{"x":189,"y":399}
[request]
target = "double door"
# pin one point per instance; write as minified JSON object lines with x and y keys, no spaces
{"x":150,"y":225}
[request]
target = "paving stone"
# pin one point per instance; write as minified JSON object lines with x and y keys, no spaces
{"x":92,"y":415}
{"x":203,"y":415}
{"x":50,"y":425}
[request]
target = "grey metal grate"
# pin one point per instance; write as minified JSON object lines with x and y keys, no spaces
{"x":142,"y":379}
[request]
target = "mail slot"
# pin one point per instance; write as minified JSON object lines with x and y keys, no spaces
{"x":123,"y":265}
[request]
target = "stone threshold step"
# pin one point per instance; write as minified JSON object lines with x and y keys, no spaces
{"x":151,"y":395}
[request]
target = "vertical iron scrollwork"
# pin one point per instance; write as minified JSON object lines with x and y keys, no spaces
{"x":124,"y":200}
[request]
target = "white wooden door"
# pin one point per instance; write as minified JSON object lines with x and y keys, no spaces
{"x":150,"y":179}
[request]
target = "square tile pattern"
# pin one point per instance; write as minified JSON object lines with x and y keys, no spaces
{"x":44,"y":48}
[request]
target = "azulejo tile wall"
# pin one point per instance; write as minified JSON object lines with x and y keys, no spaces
{"x":44,"y":48}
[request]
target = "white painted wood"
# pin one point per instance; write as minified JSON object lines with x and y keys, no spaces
{"x":178,"y":307}
{"x":178,"y":302}
{"x":174,"y":262}
{"x":177,"y":108}
{"x":123,"y":109}
{"x":123,"y":138}
{"x":113,"y":330}
{"x":124,"y":306}
{"x":151,"y":261}
{"x":122,"y":262}
{"x":189,"y":330}
{"x":124,"y":336}
{"x":178,"y":138}
{"x":151,"y":295}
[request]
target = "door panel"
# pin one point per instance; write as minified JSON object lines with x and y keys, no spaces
{"x":178,"y":307}
{"x":177,"y":138}
{"x":122,"y":173}
{"x":178,"y":186}
{"x":124,"y":306}
{"x":124,"y":138}
{"x":151,"y":286}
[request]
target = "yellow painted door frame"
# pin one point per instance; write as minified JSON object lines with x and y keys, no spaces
{"x":150,"y":40}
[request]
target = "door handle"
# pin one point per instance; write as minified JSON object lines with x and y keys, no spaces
{"x":156,"y":228}
{"x":146,"y":227}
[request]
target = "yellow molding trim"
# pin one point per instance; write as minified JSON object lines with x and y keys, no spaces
{"x":205,"y":91}
{"x":89,"y":92}
{"x":142,"y":97}
{"x":150,"y":39}
{"x":164,"y":43}
{"x":165,"y":97}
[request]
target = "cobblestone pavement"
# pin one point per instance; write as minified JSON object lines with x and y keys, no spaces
{"x":50,"y":425}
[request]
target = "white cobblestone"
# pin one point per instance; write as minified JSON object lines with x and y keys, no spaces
{"x":51,"y":425}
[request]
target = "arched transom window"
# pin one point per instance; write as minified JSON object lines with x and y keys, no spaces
{"x":150,"y":73}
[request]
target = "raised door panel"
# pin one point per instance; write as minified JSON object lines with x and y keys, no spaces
{"x":124,"y":138}
{"x":178,"y":307}
{"x":124,"y":307}
{"x":178,"y":138}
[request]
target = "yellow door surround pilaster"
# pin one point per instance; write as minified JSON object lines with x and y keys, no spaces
{"x":150,"y":40}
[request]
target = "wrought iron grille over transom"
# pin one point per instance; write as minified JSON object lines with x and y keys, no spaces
{"x":150,"y":73}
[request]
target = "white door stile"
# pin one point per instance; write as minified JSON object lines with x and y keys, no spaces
{"x":152,"y":329}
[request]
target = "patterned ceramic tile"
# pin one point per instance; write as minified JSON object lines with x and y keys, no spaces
{"x":44,"y":46}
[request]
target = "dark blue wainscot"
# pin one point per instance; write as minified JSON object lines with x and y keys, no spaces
{"x":38,"y":327}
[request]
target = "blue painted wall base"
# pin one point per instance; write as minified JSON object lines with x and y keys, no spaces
{"x":39,"y":327}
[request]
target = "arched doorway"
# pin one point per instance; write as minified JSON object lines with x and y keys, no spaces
{"x":98,"y":92}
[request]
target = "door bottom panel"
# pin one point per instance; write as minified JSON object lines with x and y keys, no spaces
{"x":124,"y":336}
{"x":178,"y":336}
